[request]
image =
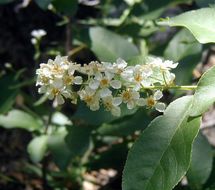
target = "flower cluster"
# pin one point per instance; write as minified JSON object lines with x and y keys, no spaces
{"x":106,"y":84}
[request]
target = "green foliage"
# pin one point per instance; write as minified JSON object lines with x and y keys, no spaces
{"x":161,"y":155}
{"x":43,"y":3}
{"x":109,"y":46}
{"x":182,"y":45}
{"x":67,"y":7}
{"x":20,"y":119}
{"x":201,"y":164}
{"x":201,"y":28}
{"x":37,"y":148}
{"x":204,"y":96}
{"x":8,"y":95}
{"x":78,"y":139}
{"x":60,"y":152}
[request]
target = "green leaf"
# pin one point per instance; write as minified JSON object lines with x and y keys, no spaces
{"x":8,"y":96}
{"x":68,"y":7}
{"x":204,"y":96}
{"x":184,"y":70}
{"x":182,"y":45}
{"x":60,"y":119}
{"x":140,"y":59}
{"x":43,"y":4}
{"x":108,"y":46}
{"x":20,"y":119}
{"x":96,"y":118}
{"x":59,"y":149}
{"x":200,"y":22}
{"x":37,"y":148}
{"x":126,"y":125}
{"x":201,"y":163}
{"x":5,"y":1}
{"x":78,"y":139}
{"x":161,"y":155}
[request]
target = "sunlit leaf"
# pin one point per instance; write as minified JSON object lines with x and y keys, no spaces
{"x":200,"y":23}
{"x":37,"y":148}
{"x":182,"y":45}
{"x":20,"y":119}
{"x":108,"y":46}
{"x":204,"y":96}
{"x":161,"y":155}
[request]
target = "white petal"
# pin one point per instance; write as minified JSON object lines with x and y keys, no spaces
{"x":94,"y":84}
{"x":135,"y":95}
{"x":105,"y":92}
{"x":58,"y":100}
{"x":42,"y":90}
{"x":158,"y":95}
{"x":141,"y":102}
{"x":130,"y":105}
{"x":117,"y":101}
{"x":66,"y":94}
{"x":78,"y":80}
{"x":160,"y":107}
{"x":116,"y":84}
{"x":57,"y":83}
{"x":94,"y":106}
{"x":98,"y":76}
{"x":116,"y":111}
{"x":121,"y":63}
{"x":109,"y":75}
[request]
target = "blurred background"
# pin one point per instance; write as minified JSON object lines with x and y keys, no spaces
{"x":70,"y":147}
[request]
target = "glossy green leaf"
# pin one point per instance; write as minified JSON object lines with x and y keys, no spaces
{"x":108,"y":46}
{"x":96,"y":118}
{"x":161,"y":155}
{"x":20,"y":119}
{"x":182,"y":45}
{"x":37,"y":148}
{"x":68,"y":7}
{"x":200,"y":23}
{"x":127,"y":125}
{"x":78,"y":139}
{"x":204,"y":96}
{"x":43,"y":4}
{"x":201,"y":163}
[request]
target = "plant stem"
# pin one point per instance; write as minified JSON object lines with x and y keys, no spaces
{"x":164,"y":87}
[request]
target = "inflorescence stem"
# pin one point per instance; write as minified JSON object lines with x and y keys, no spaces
{"x":164,"y":87}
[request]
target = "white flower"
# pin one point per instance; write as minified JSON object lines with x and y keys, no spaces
{"x":58,"y":94}
{"x":119,"y":66}
{"x":33,"y":41}
{"x":112,"y":104}
{"x":165,"y":65}
{"x":130,"y":97}
{"x":90,"y":97}
{"x":38,"y":33}
{"x":152,"y":101}
{"x":103,"y":82}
